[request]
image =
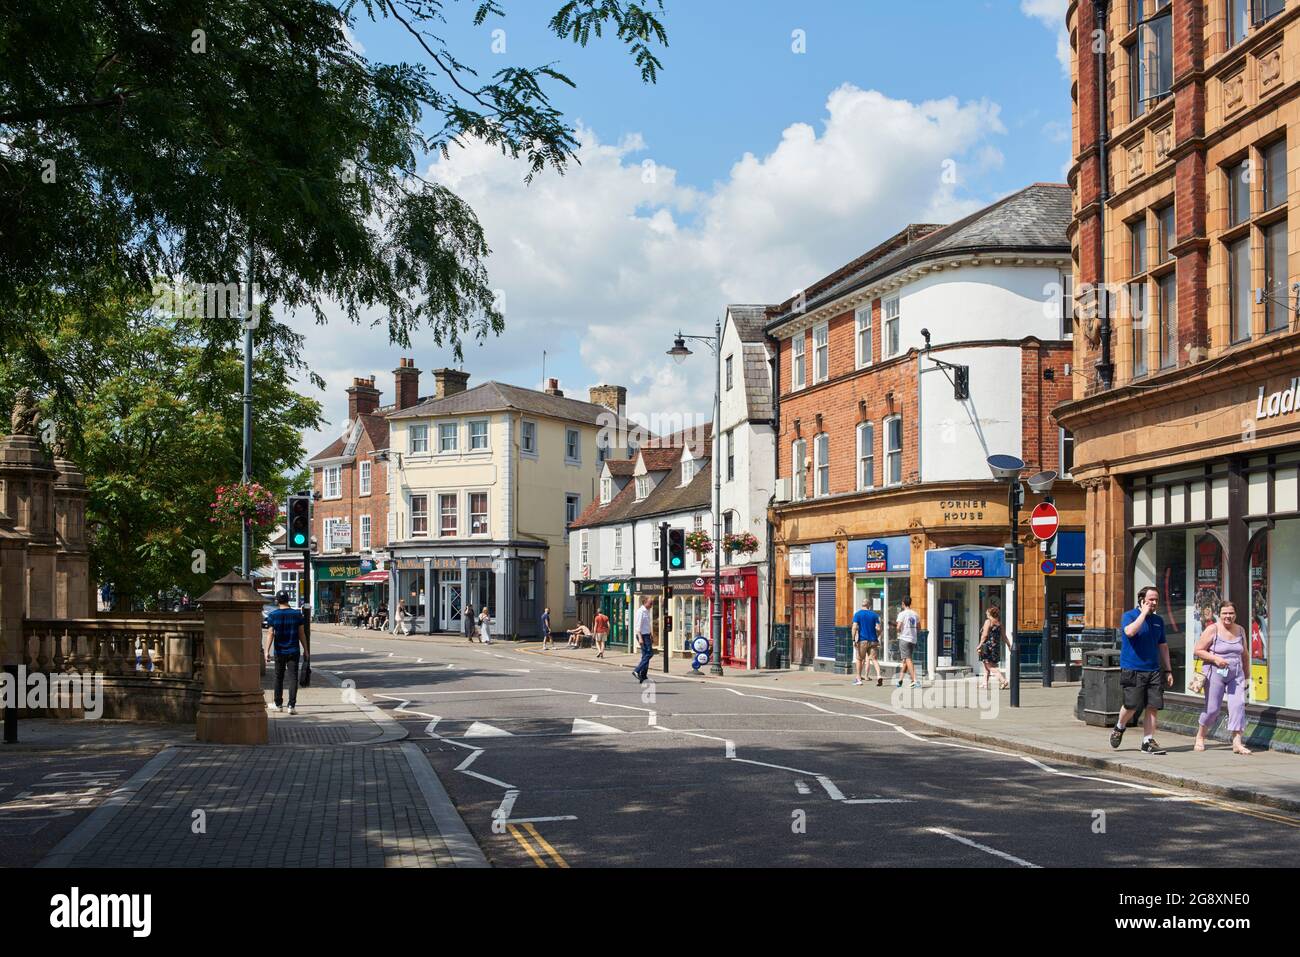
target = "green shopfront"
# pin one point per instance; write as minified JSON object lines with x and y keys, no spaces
{"x":612,"y":598}
{"x":329,"y":586}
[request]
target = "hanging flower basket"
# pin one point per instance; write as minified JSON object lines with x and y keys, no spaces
{"x":700,"y":544}
{"x":742,"y":542}
{"x":251,"y":503}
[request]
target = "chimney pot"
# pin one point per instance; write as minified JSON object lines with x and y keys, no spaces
{"x":363,"y":398}
{"x":448,"y":382}
{"x":407,"y":381}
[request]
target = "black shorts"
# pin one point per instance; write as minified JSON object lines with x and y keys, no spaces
{"x":1142,"y":689}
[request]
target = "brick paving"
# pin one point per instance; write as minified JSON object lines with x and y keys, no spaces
{"x":274,"y":807}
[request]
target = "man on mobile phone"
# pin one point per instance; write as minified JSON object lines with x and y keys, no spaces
{"x":1145,"y":671}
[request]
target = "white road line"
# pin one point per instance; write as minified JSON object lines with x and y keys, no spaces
{"x":593,"y":698}
{"x":779,"y":767}
{"x":506,"y":806}
{"x":983,"y":847}
{"x":731,"y":749}
{"x":463,"y":768}
{"x":539,"y":820}
{"x":583,"y":726}
{"x":880,"y":801}
{"x":829,"y":787}
{"x":802,"y":787}
{"x":428,"y":728}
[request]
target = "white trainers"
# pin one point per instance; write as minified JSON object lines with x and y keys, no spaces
{"x":857,"y":681}
{"x":273,"y":707}
{"x":293,"y":710}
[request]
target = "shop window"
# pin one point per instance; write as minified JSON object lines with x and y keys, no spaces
{"x":1258,"y":625}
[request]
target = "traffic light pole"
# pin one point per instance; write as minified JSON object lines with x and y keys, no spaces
{"x":1013,"y":506}
{"x":663,"y":612}
{"x":1047,"y":627}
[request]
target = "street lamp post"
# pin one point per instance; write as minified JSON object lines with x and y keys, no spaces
{"x":679,"y":352}
{"x":1007,"y":468}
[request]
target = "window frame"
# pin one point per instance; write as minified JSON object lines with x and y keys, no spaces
{"x":889,"y":452}
{"x":486,"y":513}
{"x":527,"y":427}
{"x":727,"y":363}
{"x":572,"y":509}
{"x":1267,"y":166}
{"x":1236,"y":321}
{"x":415,"y":513}
{"x":455,"y":436}
{"x":412,"y":431}
{"x":860,"y":327}
{"x":730,"y":436}
{"x":1168,"y":320}
{"x":798,"y":452}
{"x":1066,"y":439}
{"x":337,"y":471}
{"x":571,"y":433}
{"x":798,"y":362}
{"x":821,"y":470}
{"x":643,"y":487}
{"x":821,"y":366}
{"x":487,"y":434}
{"x":1277,"y":305}
{"x":364,"y":524}
{"x":893,"y":336}
{"x":866,"y":456}
{"x":606,"y":490}
{"x":365,"y":477}
{"x":442,"y":514}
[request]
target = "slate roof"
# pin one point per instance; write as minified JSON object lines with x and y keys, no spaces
{"x":1033,"y":220}
{"x":750,"y":321}
{"x":500,"y":397}
{"x":667,"y":497}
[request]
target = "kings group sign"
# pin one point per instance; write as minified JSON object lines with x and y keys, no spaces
{"x":966,"y":565}
{"x":877,"y":558}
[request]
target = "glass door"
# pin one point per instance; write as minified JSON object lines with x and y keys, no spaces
{"x":952,"y":624}
{"x":451,"y":606}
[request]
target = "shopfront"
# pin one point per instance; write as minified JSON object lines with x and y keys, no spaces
{"x":438,"y":593}
{"x":611,"y":598}
{"x":367,"y":594}
{"x":801,"y":612}
{"x":688,"y":606}
{"x":1226,"y":529}
{"x":880,"y":570}
{"x":739,"y":588}
{"x":962,"y":584}
{"x":330,"y":598}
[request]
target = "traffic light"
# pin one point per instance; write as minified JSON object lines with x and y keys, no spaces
{"x":298,"y":511}
{"x":676,"y":549}
{"x":961,"y":383}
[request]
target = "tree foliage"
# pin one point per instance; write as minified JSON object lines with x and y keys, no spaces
{"x":153,"y":416}
{"x":146,"y":138}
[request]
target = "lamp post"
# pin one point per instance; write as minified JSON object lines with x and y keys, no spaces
{"x":679,"y":352}
{"x":1007,"y":468}
{"x":1041,"y":484}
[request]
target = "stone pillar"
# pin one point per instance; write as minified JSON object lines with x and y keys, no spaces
{"x":27,"y":496}
{"x":232,"y":709}
{"x":13,"y":591}
{"x":73,"y":596}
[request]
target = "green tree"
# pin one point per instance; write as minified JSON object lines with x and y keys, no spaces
{"x":148,"y":138}
{"x":152,"y":414}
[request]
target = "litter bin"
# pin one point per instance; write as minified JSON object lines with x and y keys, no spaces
{"x":1101,"y":697}
{"x":774,"y":657}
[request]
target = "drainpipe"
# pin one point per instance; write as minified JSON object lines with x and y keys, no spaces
{"x":775,"y":364}
{"x":1105,"y":367}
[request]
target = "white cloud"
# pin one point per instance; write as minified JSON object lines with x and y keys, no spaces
{"x":603,"y":265}
{"x":1051,"y":13}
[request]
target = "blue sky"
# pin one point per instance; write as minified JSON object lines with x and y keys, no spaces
{"x":747,"y":171}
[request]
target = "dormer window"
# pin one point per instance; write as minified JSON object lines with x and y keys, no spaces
{"x":643,"y":486}
{"x":606,"y":490}
{"x":688,"y":471}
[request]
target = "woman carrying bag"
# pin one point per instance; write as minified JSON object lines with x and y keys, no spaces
{"x":1223,"y":646}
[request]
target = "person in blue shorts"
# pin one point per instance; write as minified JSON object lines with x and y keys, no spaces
{"x":1144,"y":669}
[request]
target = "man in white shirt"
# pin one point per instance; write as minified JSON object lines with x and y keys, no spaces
{"x":642,"y":629}
{"x":909,"y":623}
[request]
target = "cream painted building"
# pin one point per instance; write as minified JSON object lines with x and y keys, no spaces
{"x":483,"y":483}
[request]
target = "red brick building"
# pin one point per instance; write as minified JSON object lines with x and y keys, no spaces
{"x":899,"y":374}
{"x":350,"y":515}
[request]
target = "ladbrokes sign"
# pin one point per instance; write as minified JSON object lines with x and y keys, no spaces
{"x":1277,"y":403}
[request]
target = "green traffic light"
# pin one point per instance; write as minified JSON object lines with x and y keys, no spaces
{"x":677,"y":563}
{"x":300,"y":539}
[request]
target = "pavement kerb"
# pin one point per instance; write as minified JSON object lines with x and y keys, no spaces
{"x":390,"y":729}
{"x":461,"y":846}
{"x":62,"y":854}
{"x":1068,"y":757}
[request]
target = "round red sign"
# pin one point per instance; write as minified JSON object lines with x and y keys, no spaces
{"x":1044,"y":521}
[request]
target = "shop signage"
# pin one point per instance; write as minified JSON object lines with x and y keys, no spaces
{"x":1278,"y":403}
{"x":963,"y":510}
{"x":341,"y":534}
{"x":289,"y":564}
{"x":336,"y":572}
{"x":966,"y":565}
{"x":367,"y":565}
{"x":800,"y":562}
{"x":613,"y":588}
{"x":877,"y":558}
{"x":410,"y":564}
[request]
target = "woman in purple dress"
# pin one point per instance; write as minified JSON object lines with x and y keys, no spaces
{"x":1223,"y":646}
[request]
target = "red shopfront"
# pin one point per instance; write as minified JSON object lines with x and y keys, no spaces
{"x":739,"y":587}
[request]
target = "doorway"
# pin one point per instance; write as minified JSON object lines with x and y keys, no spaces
{"x":953,"y":608}
{"x":451,"y":606}
{"x":803,"y":620}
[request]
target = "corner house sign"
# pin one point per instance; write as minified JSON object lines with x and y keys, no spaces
{"x":967,"y":565}
{"x":1278,"y":403}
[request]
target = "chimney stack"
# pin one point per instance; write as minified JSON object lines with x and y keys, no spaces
{"x":612,"y":397}
{"x":448,"y":382}
{"x":553,"y":387}
{"x":363,"y":398}
{"x":407,"y":379}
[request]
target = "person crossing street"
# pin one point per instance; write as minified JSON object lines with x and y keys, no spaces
{"x":642,"y":670}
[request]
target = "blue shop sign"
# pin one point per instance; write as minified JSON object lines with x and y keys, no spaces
{"x":1070,"y":552}
{"x":823,"y":558}
{"x":974,"y":562}
{"x":879,"y":555}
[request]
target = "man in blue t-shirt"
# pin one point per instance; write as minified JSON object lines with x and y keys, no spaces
{"x":866,"y":640}
{"x":284,"y":636}
{"x":1144,"y":666}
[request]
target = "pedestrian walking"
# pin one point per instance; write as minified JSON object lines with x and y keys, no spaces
{"x":642,"y":670}
{"x":600,"y":629}
{"x":992,"y":638}
{"x":547,"y":643}
{"x":1223,"y":646}
{"x":284,"y":637}
{"x":485,"y":623}
{"x":471,"y":623}
{"x":866,"y":640}
{"x":1144,"y":669}
{"x":909,"y":625}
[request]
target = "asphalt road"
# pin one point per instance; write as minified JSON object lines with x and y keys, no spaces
{"x":557,"y":763}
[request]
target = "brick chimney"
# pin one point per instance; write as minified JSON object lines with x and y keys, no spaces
{"x":406,"y":378}
{"x":553,"y":387}
{"x":363,"y":398}
{"x":612,"y":397}
{"x":448,"y":382}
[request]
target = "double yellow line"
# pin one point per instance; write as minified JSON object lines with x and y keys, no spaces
{"x":518,"y":833}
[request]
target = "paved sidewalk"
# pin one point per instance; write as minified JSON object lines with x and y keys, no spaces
{"x":1043,"y":725}
{"x":336,"y":787}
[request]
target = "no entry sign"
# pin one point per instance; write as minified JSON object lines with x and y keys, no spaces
{"x":1044,"y":521}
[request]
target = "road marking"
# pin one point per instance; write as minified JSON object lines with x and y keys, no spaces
{"x":506,"y":806}
{"x":542,"y":820}
{"x":481,"y":730}
{"x":1175,"y":799}
{"x":463,"y":768}
{"x":779,"y":767}
{"x":983,"y":847}
{"x":523,"y":842}
{"x":829,"y":787}
{"x":802,"y":787}
{"x":583,"y":726}
{"x":555,"y":855}
{"x":593,"y":698}
{"x":880,"y":801}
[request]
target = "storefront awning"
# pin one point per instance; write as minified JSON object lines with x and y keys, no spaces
{"x":369,"y":578}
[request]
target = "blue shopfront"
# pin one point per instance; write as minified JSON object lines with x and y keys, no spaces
{"x":881,"y":572}
{"x":962,"y":583}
